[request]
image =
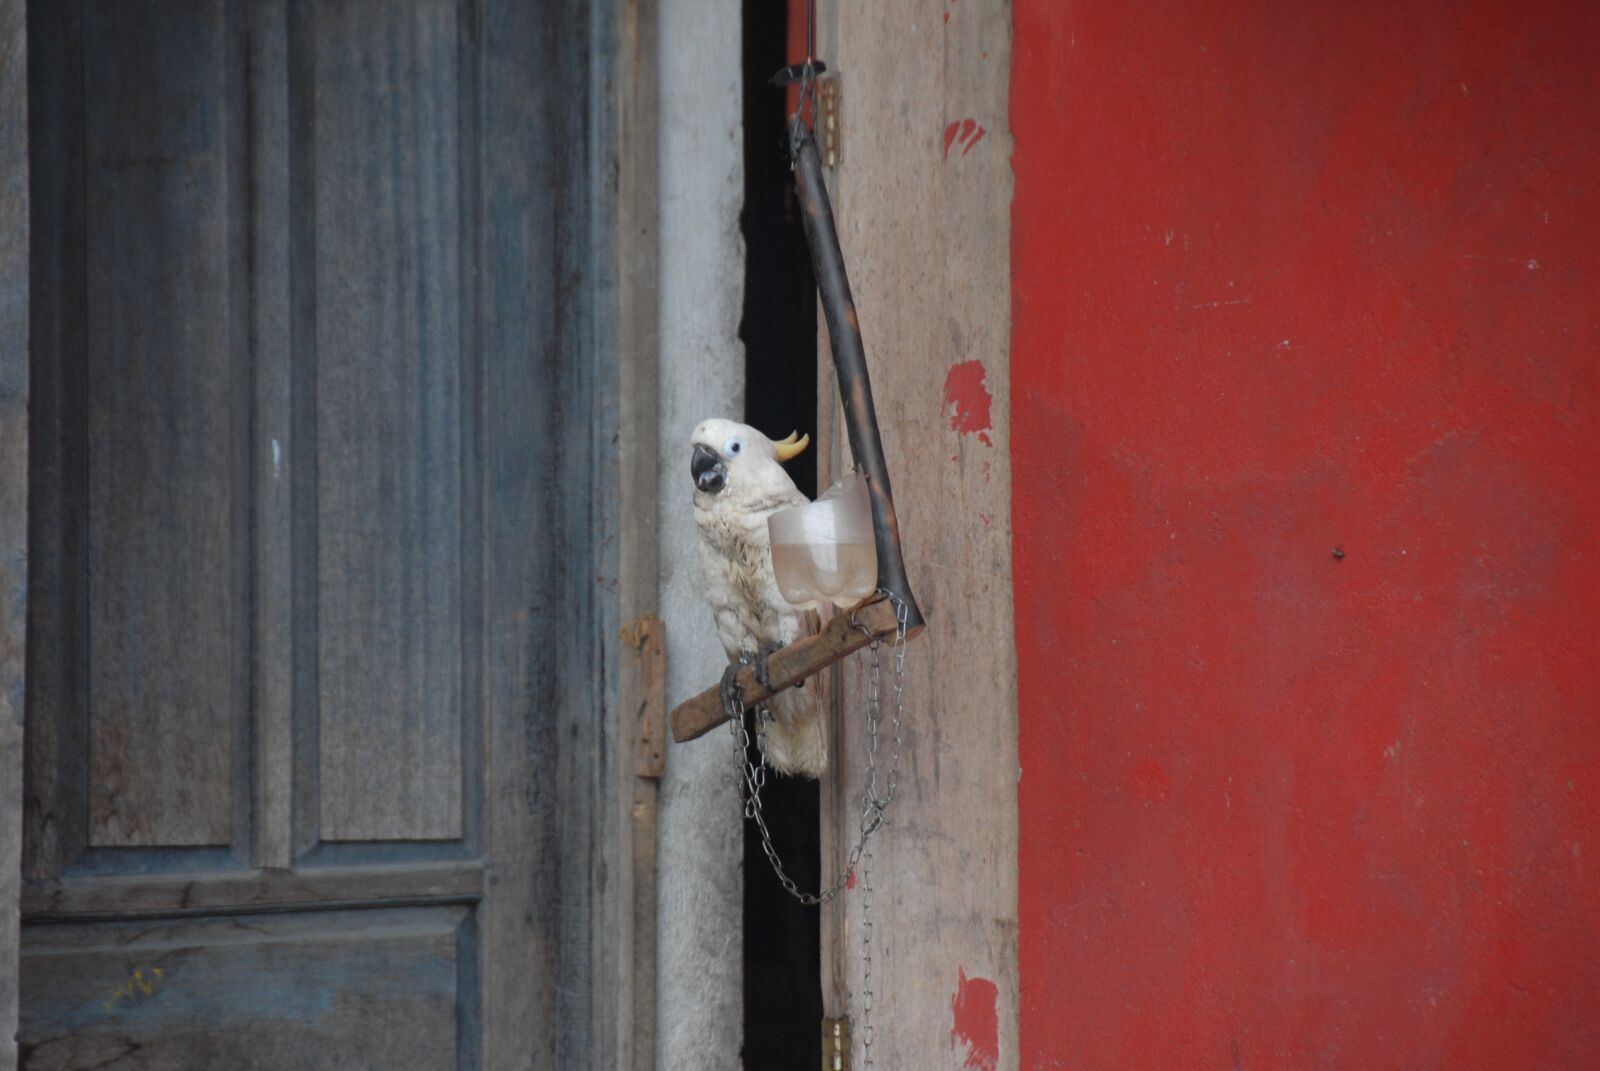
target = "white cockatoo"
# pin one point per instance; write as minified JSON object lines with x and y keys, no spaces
{"x":738,"y":482}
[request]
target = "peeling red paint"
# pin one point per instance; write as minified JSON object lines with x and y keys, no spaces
{"x":851,"y":881}
{"x":976,"y":1022}
{"x":966,"y":131}
{"x":950,"y":136}
{"x":965,"y":393}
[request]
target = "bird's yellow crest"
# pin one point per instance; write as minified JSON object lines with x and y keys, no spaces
{"x":792,"y":446}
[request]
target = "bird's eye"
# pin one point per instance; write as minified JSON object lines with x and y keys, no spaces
{"x":733,"y":448}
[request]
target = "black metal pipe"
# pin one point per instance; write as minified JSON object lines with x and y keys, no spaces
{"x":850,"y":365}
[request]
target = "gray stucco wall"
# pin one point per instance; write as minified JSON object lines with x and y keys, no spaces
{"x":699,"y":1006}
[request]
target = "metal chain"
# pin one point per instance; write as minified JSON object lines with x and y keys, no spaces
{"x":753,"y":774}
{"x":866,"y":962}
{"x":877,"y":805}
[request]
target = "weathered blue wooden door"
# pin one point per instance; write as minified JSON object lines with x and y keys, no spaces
{"x":308,"y":349}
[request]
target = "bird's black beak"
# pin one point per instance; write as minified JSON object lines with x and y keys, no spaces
{"x":708,"y":470}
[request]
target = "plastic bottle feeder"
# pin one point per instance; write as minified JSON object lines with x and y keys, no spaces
{"x":824,"y":551}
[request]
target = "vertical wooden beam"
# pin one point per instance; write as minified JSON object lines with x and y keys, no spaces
{"x":13,"y":490}
{"x":922,"y":197}
{"x":643,"y":704}
{"x":523,"y":399}
{"x":637,"y":265}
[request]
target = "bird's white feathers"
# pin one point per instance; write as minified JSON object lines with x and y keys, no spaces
{"x":737,"y":581}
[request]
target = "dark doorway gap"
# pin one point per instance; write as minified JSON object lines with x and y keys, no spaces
{"x":782,"y":938}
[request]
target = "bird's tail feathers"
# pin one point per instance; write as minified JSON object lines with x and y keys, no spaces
{"x":795,"y":741}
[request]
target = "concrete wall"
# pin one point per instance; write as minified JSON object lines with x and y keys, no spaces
{"x":1291,"y":278}
{"x":699,"y":1004}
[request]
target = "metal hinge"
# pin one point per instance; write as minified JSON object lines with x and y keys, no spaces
{"x":835,"y":1044}
{"x":830,"y":119}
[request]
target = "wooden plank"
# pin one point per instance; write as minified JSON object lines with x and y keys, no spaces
{"x":232,"y":890}
{"x":251,"y":992}
{"x":593,"y":763}
{"x":387,"y":264}
{"x":873,"y":619}
{"x":13,"y":489}
{"x":521,"y":183}
{"x":926,"y":234}
{"x":165,"y":426}
{"x":271,"y":450}
{"x":594,"y":759}
{"x":551,"y":409}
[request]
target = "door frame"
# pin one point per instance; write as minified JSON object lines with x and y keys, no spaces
{"x":13,"y":488}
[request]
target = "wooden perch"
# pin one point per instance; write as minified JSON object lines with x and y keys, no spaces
{"x":695,"y":717}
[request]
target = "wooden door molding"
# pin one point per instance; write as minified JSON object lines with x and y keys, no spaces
{"x":13,"y":487}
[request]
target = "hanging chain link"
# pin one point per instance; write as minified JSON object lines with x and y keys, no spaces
{"x":892,"y":782}
{"x":877,"y":806}
{"x":753,"y":773}
{"x":866,"y":962}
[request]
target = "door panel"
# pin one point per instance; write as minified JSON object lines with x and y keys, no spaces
{"x":350,"y":989}
{"x":165,"y":429}
{"x":388,"y":187}
{"x":138,"y":719}
{"x":166,"y":433}
{"x":313,"y":474}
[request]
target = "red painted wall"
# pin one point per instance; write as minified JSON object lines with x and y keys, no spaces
{"x":1291,"y":277}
